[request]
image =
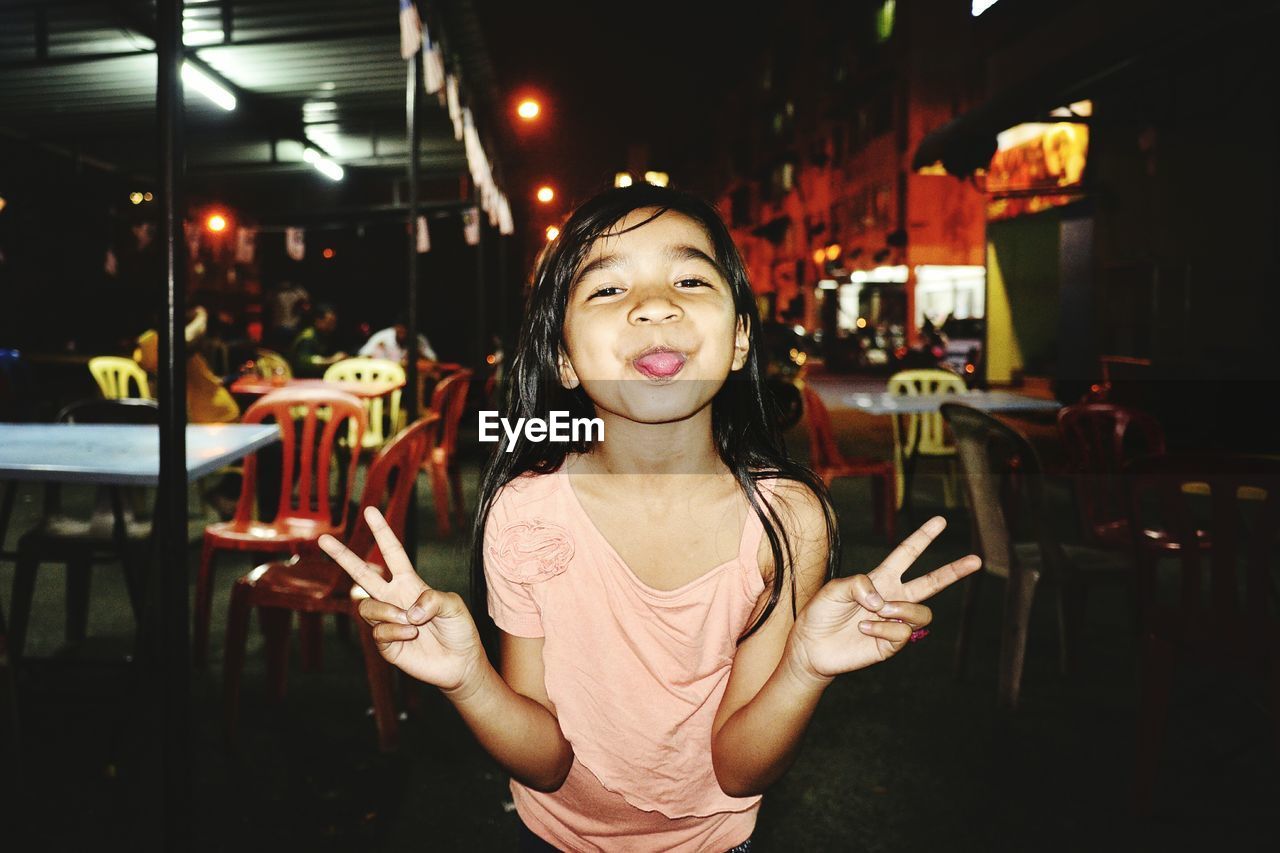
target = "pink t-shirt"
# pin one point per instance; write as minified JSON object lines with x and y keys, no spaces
{"x":636,"y":674}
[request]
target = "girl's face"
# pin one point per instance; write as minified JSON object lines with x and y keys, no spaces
{"x":650,"y":330}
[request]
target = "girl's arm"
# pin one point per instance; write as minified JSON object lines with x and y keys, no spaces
{"x":430,"y":635}
{"x":768,"y":702}
{"x":848,"y":624}
{"x":512,"y":717}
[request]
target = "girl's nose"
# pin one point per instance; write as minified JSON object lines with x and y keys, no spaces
{"x":656,"y":309}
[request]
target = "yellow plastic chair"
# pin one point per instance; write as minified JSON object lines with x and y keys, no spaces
{"x":385,"y":416}
{"x":924,"y":434}
{"x":269,"y":364}
{"x":113,"y":374}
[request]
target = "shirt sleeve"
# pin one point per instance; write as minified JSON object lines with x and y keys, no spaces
{"x":425,"y":348}
{"x":511,"y":604}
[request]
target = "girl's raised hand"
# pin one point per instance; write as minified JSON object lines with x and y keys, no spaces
{"x":426,"y":632}
{"x":856,"y":621}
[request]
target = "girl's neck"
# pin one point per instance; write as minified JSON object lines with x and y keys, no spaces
{"x":680,"y":447}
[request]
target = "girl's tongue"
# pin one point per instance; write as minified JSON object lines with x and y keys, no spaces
{"x":660,"y":364}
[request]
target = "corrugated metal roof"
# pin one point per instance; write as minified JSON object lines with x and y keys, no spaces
{"x":81,"y":76}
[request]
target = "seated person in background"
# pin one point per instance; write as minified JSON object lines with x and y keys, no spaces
{"x":314,"y":348}
{"x":392,"y":344}
{"x":208,"y":402}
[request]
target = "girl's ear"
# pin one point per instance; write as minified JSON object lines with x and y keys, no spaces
{"x":741,"y":343}
{"x":568,"y":376}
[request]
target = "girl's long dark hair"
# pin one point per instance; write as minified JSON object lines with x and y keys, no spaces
{"x":743,"y":413}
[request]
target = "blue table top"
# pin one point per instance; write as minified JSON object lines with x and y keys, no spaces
{"x":885,"y":403}
{"x":117,"y":453}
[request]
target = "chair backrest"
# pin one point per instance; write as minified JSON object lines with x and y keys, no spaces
{"x":389,"y":482}
{"x":270,"y":364}
{"x":114,"y":373}
{"x":1223,"y":513}
{"x":1099,"y":439}
{"x":449,"y":399}
{"x":16,"y":386}
{"x":128,"y":410}
{"x":926,"y":432}
{"x":362,"y":369}
{"x":309,"y":421}
{"x":823,"y":450}
{"x":1005,"y":482}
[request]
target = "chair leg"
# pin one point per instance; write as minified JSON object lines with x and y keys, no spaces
{"x":203,"y":605}
{"x":275,"y":623}
{"x":1153,"y":704}
{"x":311,"y":633}
{"x":440,"y":498}
{"x":1013,"y":644}
{"x":24,"y":587}
{"x":77,"y":598}
{"x":1071,"y":602}
{"x":233,"y":658}
{"x":379,"y":672}
{"x":968,"y":607}
{"x":455,"y":487}
{"x":888,"y":507}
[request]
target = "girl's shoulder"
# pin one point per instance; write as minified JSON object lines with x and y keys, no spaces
{"x":526,"y":538}
{"x":525,"y":488}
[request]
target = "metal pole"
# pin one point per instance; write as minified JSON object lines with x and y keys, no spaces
{"x":413,"y":121}
{"x":169,"y":572}
{"x":482,"y":342}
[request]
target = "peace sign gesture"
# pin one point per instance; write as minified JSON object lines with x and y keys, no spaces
{"x":856,"y":621}
{"x":427,"y":633}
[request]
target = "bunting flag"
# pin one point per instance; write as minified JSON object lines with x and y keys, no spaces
{"x":410,"y":29}
{"x":424,"y":236}
{"x":432,"y":65}
{"x":246,"y":240}
{"x":505,"y":223}
{"x":295,"y":243}
{"x":471,"y":226}
{"x":454,"y":104}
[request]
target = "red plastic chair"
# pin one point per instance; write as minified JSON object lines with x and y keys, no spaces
{"x":313,"y":585}
{"x":448,"y":400}
{"x":1099,"y":439}
{"x":311,"y":421}
{"x":828,"y":463}
{"x":1216,"y":608}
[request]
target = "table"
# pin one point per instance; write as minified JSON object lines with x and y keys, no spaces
{"x":885,"y":403}
{"x":119,"y":455}
{"x":256,"y":386}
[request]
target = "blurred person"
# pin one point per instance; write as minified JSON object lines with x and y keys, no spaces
{"x":289,"y":303}
{"x":391,"y":343}
{"x":314,"y":348}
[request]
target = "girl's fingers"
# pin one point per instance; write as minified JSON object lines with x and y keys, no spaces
{"x":372,"y":582}
{"x":374,"y":611}
{"x":388,"y":544}
{"x":926,"y":586}
{"x":860,"y":589}
{"x":912,"y":547}
{"x":387,"y":633}
{"x":895,"y":632}
{"x":914,"y":615}
{"x":432,"y":603}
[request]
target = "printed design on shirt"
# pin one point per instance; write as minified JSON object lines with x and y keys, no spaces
{"x":531,"y":550}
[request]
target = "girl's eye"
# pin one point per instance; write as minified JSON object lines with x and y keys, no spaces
{"x":692,"y":282}
{"x":604,"y":291}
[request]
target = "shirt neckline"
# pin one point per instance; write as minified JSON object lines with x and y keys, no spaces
{"x":563,"y":474}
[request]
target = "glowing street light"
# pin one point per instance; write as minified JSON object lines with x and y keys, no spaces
{"x":552,"y":233}
{"x":658,"y":179}
{"x":207,"y":86}
{"x":135,"y":198}
{"x":528,"y":109}
{"x":546,"y":194}
{"x":622,"y":179}
{"x":216,"y":223}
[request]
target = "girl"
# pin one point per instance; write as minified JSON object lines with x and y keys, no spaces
{"x":667,"y":622}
